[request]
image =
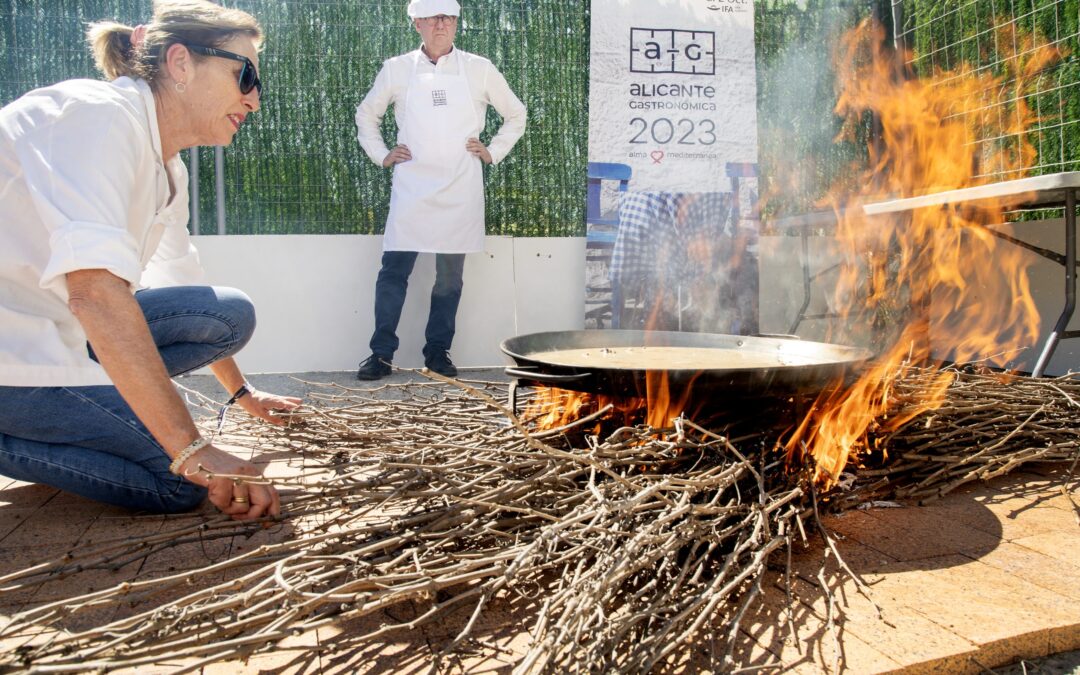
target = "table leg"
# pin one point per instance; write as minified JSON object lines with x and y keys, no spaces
{"x":1070,"y":287}
{"x":806,"y":280}
{"x":617,"y":304}
{"x":513,"y":395}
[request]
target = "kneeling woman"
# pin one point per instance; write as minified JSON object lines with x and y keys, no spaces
{"x":100,"y":295}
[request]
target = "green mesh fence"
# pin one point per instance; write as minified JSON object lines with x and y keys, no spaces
{"x":298,"y":168}
{"x":991,"y":36}
{"x":799,"y":156}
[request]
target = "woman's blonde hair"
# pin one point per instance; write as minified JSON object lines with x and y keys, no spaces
{"x":197,"y":22}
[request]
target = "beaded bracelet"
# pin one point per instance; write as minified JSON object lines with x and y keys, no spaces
{"x":186,"y":454}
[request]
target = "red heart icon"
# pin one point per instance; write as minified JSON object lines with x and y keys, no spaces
{"x":657,"y":155}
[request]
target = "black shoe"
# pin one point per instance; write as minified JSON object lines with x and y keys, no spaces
{"x":440,"y":363}
{"x":374,"y":367}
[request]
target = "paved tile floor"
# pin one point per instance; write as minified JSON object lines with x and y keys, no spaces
{"x":986,"y":577}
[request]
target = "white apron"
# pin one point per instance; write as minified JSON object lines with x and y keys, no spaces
{"x":437,"y":197}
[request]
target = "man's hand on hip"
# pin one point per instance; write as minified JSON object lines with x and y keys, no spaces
{"x":399,"y":154}
{"x":475,"y":147}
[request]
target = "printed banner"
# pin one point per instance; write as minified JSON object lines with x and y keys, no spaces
{"x":671,"y":224}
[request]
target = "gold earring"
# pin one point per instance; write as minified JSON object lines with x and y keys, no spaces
{"x":180,"y":87}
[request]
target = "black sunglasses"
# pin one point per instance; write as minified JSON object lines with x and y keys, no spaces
{"x":249,"y":79}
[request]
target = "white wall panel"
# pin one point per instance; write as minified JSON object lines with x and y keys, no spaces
{"x":315,"y":295}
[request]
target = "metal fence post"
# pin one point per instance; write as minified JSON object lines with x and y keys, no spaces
{"x":898,"y":25}
{"x":219,"y":186}
{"x":193,"y":170}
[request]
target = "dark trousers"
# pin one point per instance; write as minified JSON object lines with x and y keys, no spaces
{"x":390,"y":289}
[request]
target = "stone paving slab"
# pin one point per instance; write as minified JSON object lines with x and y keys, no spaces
{"x":988,"y":575}
{"x":811,"y":648}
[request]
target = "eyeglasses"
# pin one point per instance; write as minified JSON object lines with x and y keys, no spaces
{"x":441,"y":18}
{"x":249,"y":79}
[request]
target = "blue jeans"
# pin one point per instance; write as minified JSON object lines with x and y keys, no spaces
{"x":390,"y":289}
{"x":88,"y":441}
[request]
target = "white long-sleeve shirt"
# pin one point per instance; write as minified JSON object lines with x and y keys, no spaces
{"x":82,"y":186}
{"x":486,"y":83}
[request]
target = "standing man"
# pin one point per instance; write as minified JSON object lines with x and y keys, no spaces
{"x":440,"y":96}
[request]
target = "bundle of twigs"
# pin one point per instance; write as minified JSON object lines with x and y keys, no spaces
{"x":988,"y":425}
{"x":442,"y":498}
{"x":649,"y":532}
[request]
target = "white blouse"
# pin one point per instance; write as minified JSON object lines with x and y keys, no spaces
{"x":82,"y":186}
{"x":487,"y":84}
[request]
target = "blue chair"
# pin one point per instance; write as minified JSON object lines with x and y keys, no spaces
{"x":600,"y":234}
{"x":598,"y":173}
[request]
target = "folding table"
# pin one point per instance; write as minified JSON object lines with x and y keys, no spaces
{"x":1049,"y":191}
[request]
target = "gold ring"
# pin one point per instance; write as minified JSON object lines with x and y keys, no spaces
{"x":240,"y":500}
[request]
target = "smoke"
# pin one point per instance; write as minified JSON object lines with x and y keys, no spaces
{"x":798,"y":152}
{"x":802,"y":155}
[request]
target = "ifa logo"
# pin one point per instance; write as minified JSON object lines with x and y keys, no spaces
{"x":729,"y":6}
{"x":670,"y":50}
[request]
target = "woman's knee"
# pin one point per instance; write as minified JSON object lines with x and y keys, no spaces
{"x":240,"y":312}
{"x":203,"y":315}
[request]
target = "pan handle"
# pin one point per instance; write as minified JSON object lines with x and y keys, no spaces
{"x":545,"y":378}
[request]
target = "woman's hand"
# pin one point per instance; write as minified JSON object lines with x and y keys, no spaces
{"x":478,"y":149}
{"x":262,"y":405}
{"x":243,"y":500}
{"x":399,"y":154}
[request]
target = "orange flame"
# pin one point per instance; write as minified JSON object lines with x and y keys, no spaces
{"x":552,"y":408}
{"x":967,"y":291}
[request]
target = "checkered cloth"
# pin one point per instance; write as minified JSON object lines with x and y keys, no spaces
{"x":662,"y":235}
{"x":685,"y":262}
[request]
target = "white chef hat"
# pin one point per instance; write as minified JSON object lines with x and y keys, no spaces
{"x":420,"y":9}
